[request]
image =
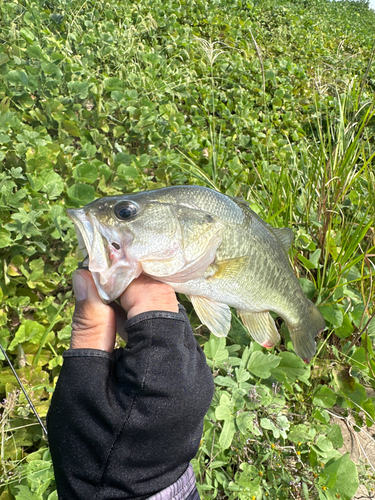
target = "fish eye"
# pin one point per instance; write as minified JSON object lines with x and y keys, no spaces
{"x":125,"y":209}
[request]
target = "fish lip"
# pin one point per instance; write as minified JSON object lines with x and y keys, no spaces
{"x":84,"y":229}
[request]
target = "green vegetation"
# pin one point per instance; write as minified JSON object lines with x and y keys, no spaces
{"x":270,"y":100}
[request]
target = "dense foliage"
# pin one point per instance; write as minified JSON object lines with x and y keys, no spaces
{"x":270,"y":100}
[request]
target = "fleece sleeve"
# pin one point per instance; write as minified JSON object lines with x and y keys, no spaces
{"x":126,"y":425}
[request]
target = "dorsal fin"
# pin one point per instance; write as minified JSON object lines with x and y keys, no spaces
{"x":284,"y":235}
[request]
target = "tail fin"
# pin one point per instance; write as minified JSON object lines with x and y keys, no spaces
{"x":304,"y":333}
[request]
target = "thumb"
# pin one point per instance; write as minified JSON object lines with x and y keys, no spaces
{"x":94,"y":323}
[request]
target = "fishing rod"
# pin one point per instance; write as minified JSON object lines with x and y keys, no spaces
{"x":24,"y":391}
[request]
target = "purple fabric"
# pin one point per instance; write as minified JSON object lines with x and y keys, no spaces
{"x":183,"y":489}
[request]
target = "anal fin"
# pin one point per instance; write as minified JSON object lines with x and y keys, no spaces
{"x":261,"y":327}
{"x":215,"y":315}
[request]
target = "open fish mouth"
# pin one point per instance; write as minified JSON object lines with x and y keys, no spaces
{"x":84,"y":231}
{"x":104,"y":255}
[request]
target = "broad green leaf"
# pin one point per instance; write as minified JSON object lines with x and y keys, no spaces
{"x":223,"y":412}
{"x":27,"y":34}
{"x":245,"y":421}
{"x":4,"y":139}
{"x":28,"y":331}
{"x":323,"y":443}
{"x":308,"y":287}
{"x":23,"y":493}
{"x":324,"y":397}
{"x":301,"y":433}
{"x":79,"y":89}
{"x":278,"y":426}
{"x":359,"y":358}
{"x":4,"y":58}
{"x":371,"y":328}
{"x":261,"y":364}
{"x":215,"y":350}
{"x":333,"y":315}
{"x":291,"y":366}
{"x":347,"y":478}
{"x":127,"y":173}
{"x":86,"y":172}
{"x":335,"y":436}
{"x":346,"y":329}
{"x":71,"y":127}
{"x":227,"y":433}
{"x":53,"y":184}
{"x":5,"y":238}
{"x":81,"y":193}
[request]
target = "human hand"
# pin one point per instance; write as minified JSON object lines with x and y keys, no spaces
{"x":94,"y":323}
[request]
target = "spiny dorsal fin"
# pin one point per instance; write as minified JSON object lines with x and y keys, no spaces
{"x":285,"y":235}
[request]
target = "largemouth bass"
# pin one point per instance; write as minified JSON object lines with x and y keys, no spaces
{"x":210,"y":247}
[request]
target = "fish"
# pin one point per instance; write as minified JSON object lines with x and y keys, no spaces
{"x":206,"y":245}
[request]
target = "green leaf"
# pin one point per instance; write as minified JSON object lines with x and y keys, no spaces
{"x":308,"y":287}
{"x":27,"y":34}
{"x":324,"y":397}
{"x":81,"y":193}
{"x":79,"y":89}
{"x":227,"y":433}
{"x":335,"y":436}
{"x":291,"y":366}
{"x":245,"y":421}
{"x":86,"y":172}
{"x":36,"y":52}
{"x":333,"y":315}
{"x":23,"y":493}
{"x":127,"y":173}
{"x":346,"y":329}
{"x":215,"y":350}
{"x":71,"y":127}
{"x":261,"y":364}
{"x":53,"y":184}
{"x":306,"y":262}
{"x":371,"y":328}
{"x":28,"y":331}
{"x":4,"y":139}
{"x":113,"y":83}
{"x":347,"y":478}
{"x":301,"y":433}
{"x":323,"y":444}
{"x":278,"y":426}
{"x":5,"y":238}
{"x":4,"y":58}
{"x":223,"y":412}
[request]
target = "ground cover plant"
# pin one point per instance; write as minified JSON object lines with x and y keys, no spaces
{"x":268,"y":100}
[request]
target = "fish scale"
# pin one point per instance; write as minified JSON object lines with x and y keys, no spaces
{"x":209,"y":246}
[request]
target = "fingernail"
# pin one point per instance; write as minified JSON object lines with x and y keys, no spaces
{"x":79,"y":286}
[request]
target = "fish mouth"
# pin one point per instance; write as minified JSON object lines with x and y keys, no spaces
{"x":84,"y":231}
{"x":104,"y":254}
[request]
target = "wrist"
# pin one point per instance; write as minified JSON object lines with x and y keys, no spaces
{"x":167,"y":303}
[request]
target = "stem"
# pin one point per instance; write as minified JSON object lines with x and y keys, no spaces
{"x":24,"y":391}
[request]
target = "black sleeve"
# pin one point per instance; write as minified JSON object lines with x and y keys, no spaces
{"x":126,"y":424}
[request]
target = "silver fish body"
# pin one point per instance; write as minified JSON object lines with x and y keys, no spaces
{"x":213,"y":248}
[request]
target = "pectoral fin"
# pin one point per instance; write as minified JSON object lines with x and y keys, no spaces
{"x":215,"y":315}
{"x":261,"y":327}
